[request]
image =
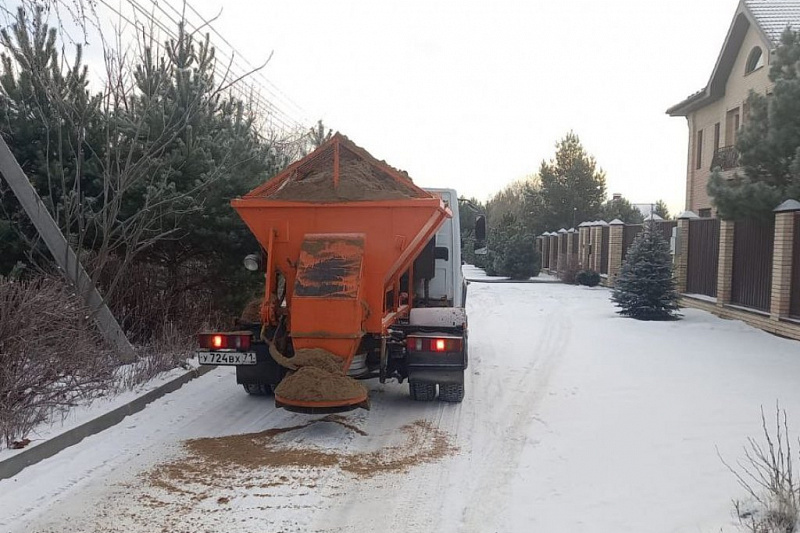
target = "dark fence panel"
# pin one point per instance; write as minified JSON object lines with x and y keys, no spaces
{"x":628,"y":234}
{"x":752,"y":263}
{"x":665,"y":228}
{"x":575,"y":242}
{"x":604,"y":250}
{"x":563,"y":240}
{"x":703,"y":260}
{"x":546,"y":252}
{"x":795,"y":306}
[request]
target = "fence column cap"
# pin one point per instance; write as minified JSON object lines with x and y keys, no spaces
{"x":602,"y":223}
{"x":653,"y":216}
{"x":687,"y":215}
{"x":788,"y":206}
{"x":583,"y":224}
{"x":572,"y":230}
{"x":616,"y":222}
{"x":562,"y":230}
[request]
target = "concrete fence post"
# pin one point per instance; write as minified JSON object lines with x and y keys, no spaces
{"x":553,"y":252}
{"x":571,"y":259}
{"x":562,"y":256}
{"x":725,"y":266}
{"x":583,"y":245}
{"x":780,"y":301}
{"x":545,"y":251}
{"x":616,"y":232}
{"x":594,"y":260}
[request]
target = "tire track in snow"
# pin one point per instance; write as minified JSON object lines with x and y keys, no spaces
{"x":490,"y":493}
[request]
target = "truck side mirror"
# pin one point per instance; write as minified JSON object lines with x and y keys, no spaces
{"x":480,"y":228}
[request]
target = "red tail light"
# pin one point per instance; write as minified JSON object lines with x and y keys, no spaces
{"x":433,"y":344}
{"x":225,"y":341}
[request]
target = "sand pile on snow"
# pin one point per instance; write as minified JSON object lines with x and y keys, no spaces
{"x":273,"y":457}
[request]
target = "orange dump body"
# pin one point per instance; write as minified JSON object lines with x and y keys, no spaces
{"x":340,"y":254}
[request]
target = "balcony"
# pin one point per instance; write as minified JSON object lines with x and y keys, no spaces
{"x":725,"y":158}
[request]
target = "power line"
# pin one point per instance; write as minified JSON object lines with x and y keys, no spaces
{"x":224,"y":66}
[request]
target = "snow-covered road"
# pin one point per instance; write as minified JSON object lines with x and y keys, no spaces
{"x":575,"y":420}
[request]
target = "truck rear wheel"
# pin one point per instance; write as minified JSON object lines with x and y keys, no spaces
{"x":451,"y":392}
{"x":257,"y":389}
{"x":422,"y":392}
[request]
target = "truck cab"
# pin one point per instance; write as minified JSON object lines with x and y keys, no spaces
{"x":436,"y":351}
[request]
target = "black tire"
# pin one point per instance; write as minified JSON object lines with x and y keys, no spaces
{"x":257,"y":389}
{"x":422,"y":392}
{"x":451,"y":392}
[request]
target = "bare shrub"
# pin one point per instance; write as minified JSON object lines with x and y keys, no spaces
{"x":51,"y":356}
{"x":767,"y":475}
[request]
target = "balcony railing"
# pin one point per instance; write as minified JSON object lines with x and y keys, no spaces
{"x":725,"y":158}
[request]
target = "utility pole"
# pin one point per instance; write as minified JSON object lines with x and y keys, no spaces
{"x":63,"y":253}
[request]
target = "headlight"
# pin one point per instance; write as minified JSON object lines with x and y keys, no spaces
{"x":252,"y":262}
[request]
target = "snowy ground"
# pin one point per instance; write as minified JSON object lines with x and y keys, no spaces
{"x":86,"y":411}
{"x":575,"y":420}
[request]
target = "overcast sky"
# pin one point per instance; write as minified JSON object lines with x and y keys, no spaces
{"x":474,"y":95}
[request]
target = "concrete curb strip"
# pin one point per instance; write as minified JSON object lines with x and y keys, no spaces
{"x":14,"y":465}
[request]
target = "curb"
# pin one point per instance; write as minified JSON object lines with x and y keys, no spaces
{"x":14,"y":465}
{"x":532,"y":280}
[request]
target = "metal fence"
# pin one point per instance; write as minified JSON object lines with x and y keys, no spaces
{"x":795,"y":298}
{"x":606,"y":231}
{"x":703,"y":260}
{"x":752,"y":263}
{"x":665,"y":228}
{"x":628,"y":235}
{"x":546,"y":252}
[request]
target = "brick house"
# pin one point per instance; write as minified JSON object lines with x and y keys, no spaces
{"x":715,"y":113}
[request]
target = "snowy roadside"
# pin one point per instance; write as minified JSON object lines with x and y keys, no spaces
{"x":473,"y":273}
{"x":87,"y":411}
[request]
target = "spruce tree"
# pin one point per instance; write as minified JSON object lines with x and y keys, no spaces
{"x":645,"y":288}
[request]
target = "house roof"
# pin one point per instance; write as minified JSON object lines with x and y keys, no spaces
{"x":770,"y":18}
{"x":774,"y":15}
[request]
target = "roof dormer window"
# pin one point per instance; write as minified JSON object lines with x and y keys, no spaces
{"x":754,"y":61}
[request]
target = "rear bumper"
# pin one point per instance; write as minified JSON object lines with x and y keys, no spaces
{"x":436,"y":368}
{"x":436,"y":374}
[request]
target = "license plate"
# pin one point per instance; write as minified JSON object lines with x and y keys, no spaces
{"x":226,"y":358}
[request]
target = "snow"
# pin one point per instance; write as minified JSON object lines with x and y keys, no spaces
{"x":86,"y":411}
{"x":575,"y":419}
{"x":703,"y":297}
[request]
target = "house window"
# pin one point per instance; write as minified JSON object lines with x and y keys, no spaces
{"x":732,"y":123}
{"x":699,"y":149}
{"x":754,"y":61}
{"x":705,"y":213}
{"x":716,"y":136}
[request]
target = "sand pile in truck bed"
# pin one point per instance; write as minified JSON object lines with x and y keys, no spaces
{"x":358,"y":181}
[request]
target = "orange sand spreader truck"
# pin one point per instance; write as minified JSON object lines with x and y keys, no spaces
{"x":362,"y":280}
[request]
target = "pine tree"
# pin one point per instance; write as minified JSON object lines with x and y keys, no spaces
{"x":622,"y":209}
{"x":645,"y":288}
{"x":572,"y":187}
{"x":662,"y":210}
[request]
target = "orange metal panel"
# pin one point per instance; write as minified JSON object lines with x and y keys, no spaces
{"x":381,"y":222}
